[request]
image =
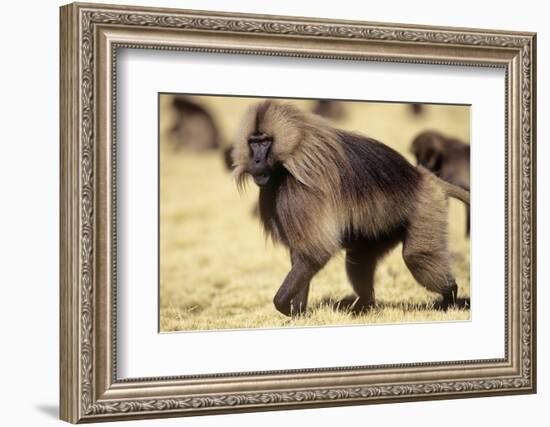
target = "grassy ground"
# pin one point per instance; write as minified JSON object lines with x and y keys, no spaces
{"x":217,"y":271}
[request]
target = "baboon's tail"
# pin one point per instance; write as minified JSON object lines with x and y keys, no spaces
{"x":450,"y":189}
{"x":455,"y":191}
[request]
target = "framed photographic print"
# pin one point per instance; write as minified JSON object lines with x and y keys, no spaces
{"x":266,"y":212}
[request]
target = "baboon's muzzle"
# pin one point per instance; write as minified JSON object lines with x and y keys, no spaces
{"x":259,"y":168}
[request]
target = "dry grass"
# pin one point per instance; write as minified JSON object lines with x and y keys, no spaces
{"x":218,"y":272}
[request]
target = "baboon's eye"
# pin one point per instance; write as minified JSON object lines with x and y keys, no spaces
{"x":257,"y":138}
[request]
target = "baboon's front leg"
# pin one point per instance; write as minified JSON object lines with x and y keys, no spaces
{"x":298,"y":304}
{"x":291,"y":298}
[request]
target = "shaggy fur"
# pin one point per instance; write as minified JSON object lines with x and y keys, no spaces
{"x":332,"y":189}
{"x":448,"y":158}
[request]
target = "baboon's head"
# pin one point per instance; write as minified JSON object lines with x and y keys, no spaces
{"x":261,"y":162}
{"x":268,"y":136}
{"x":428,"y":150}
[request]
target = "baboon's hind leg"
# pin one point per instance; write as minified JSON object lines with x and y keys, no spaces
{"x":360,"y":267}
{"x":361,"y":263}
{"x":426,"y":255}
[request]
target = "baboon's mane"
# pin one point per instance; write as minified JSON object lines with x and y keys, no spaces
{"x":337,"y":183}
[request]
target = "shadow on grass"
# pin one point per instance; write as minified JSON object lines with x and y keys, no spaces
{"x":348,"y":305}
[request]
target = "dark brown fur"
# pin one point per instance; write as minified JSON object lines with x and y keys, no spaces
{"x":328,"y":189}
{"x":448,"y":158}
{"x":194,"y":127}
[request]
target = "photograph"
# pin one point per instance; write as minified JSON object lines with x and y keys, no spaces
{"x":281,"y":212}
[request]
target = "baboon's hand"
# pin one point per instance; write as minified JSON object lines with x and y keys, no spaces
{"x":282,"y":302}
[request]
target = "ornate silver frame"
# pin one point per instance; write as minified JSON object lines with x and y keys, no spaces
{"x":90,"y":36}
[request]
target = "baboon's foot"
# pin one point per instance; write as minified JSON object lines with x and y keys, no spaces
{"x":361,"y":305}
{"x":450,"y":297}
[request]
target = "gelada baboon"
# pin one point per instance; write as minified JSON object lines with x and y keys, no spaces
{"x":194,"y":127}
{"x":329,"y":109}
{"x":323,"y":189}
{"x":416,"y":108}
{"x":448,"y":158}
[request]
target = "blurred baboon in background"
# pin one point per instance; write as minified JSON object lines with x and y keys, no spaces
{"x":416,"y":109}
{"x":448,"y":158}
{"x":328,"y":109}
{"x":194,"y":126}
{"x":323,"y":189}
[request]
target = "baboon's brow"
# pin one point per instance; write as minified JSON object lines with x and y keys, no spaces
{"x":259,"y":137}
{"x":260,"y":113}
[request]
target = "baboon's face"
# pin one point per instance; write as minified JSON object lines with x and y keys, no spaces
{"x":261,"y":164}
